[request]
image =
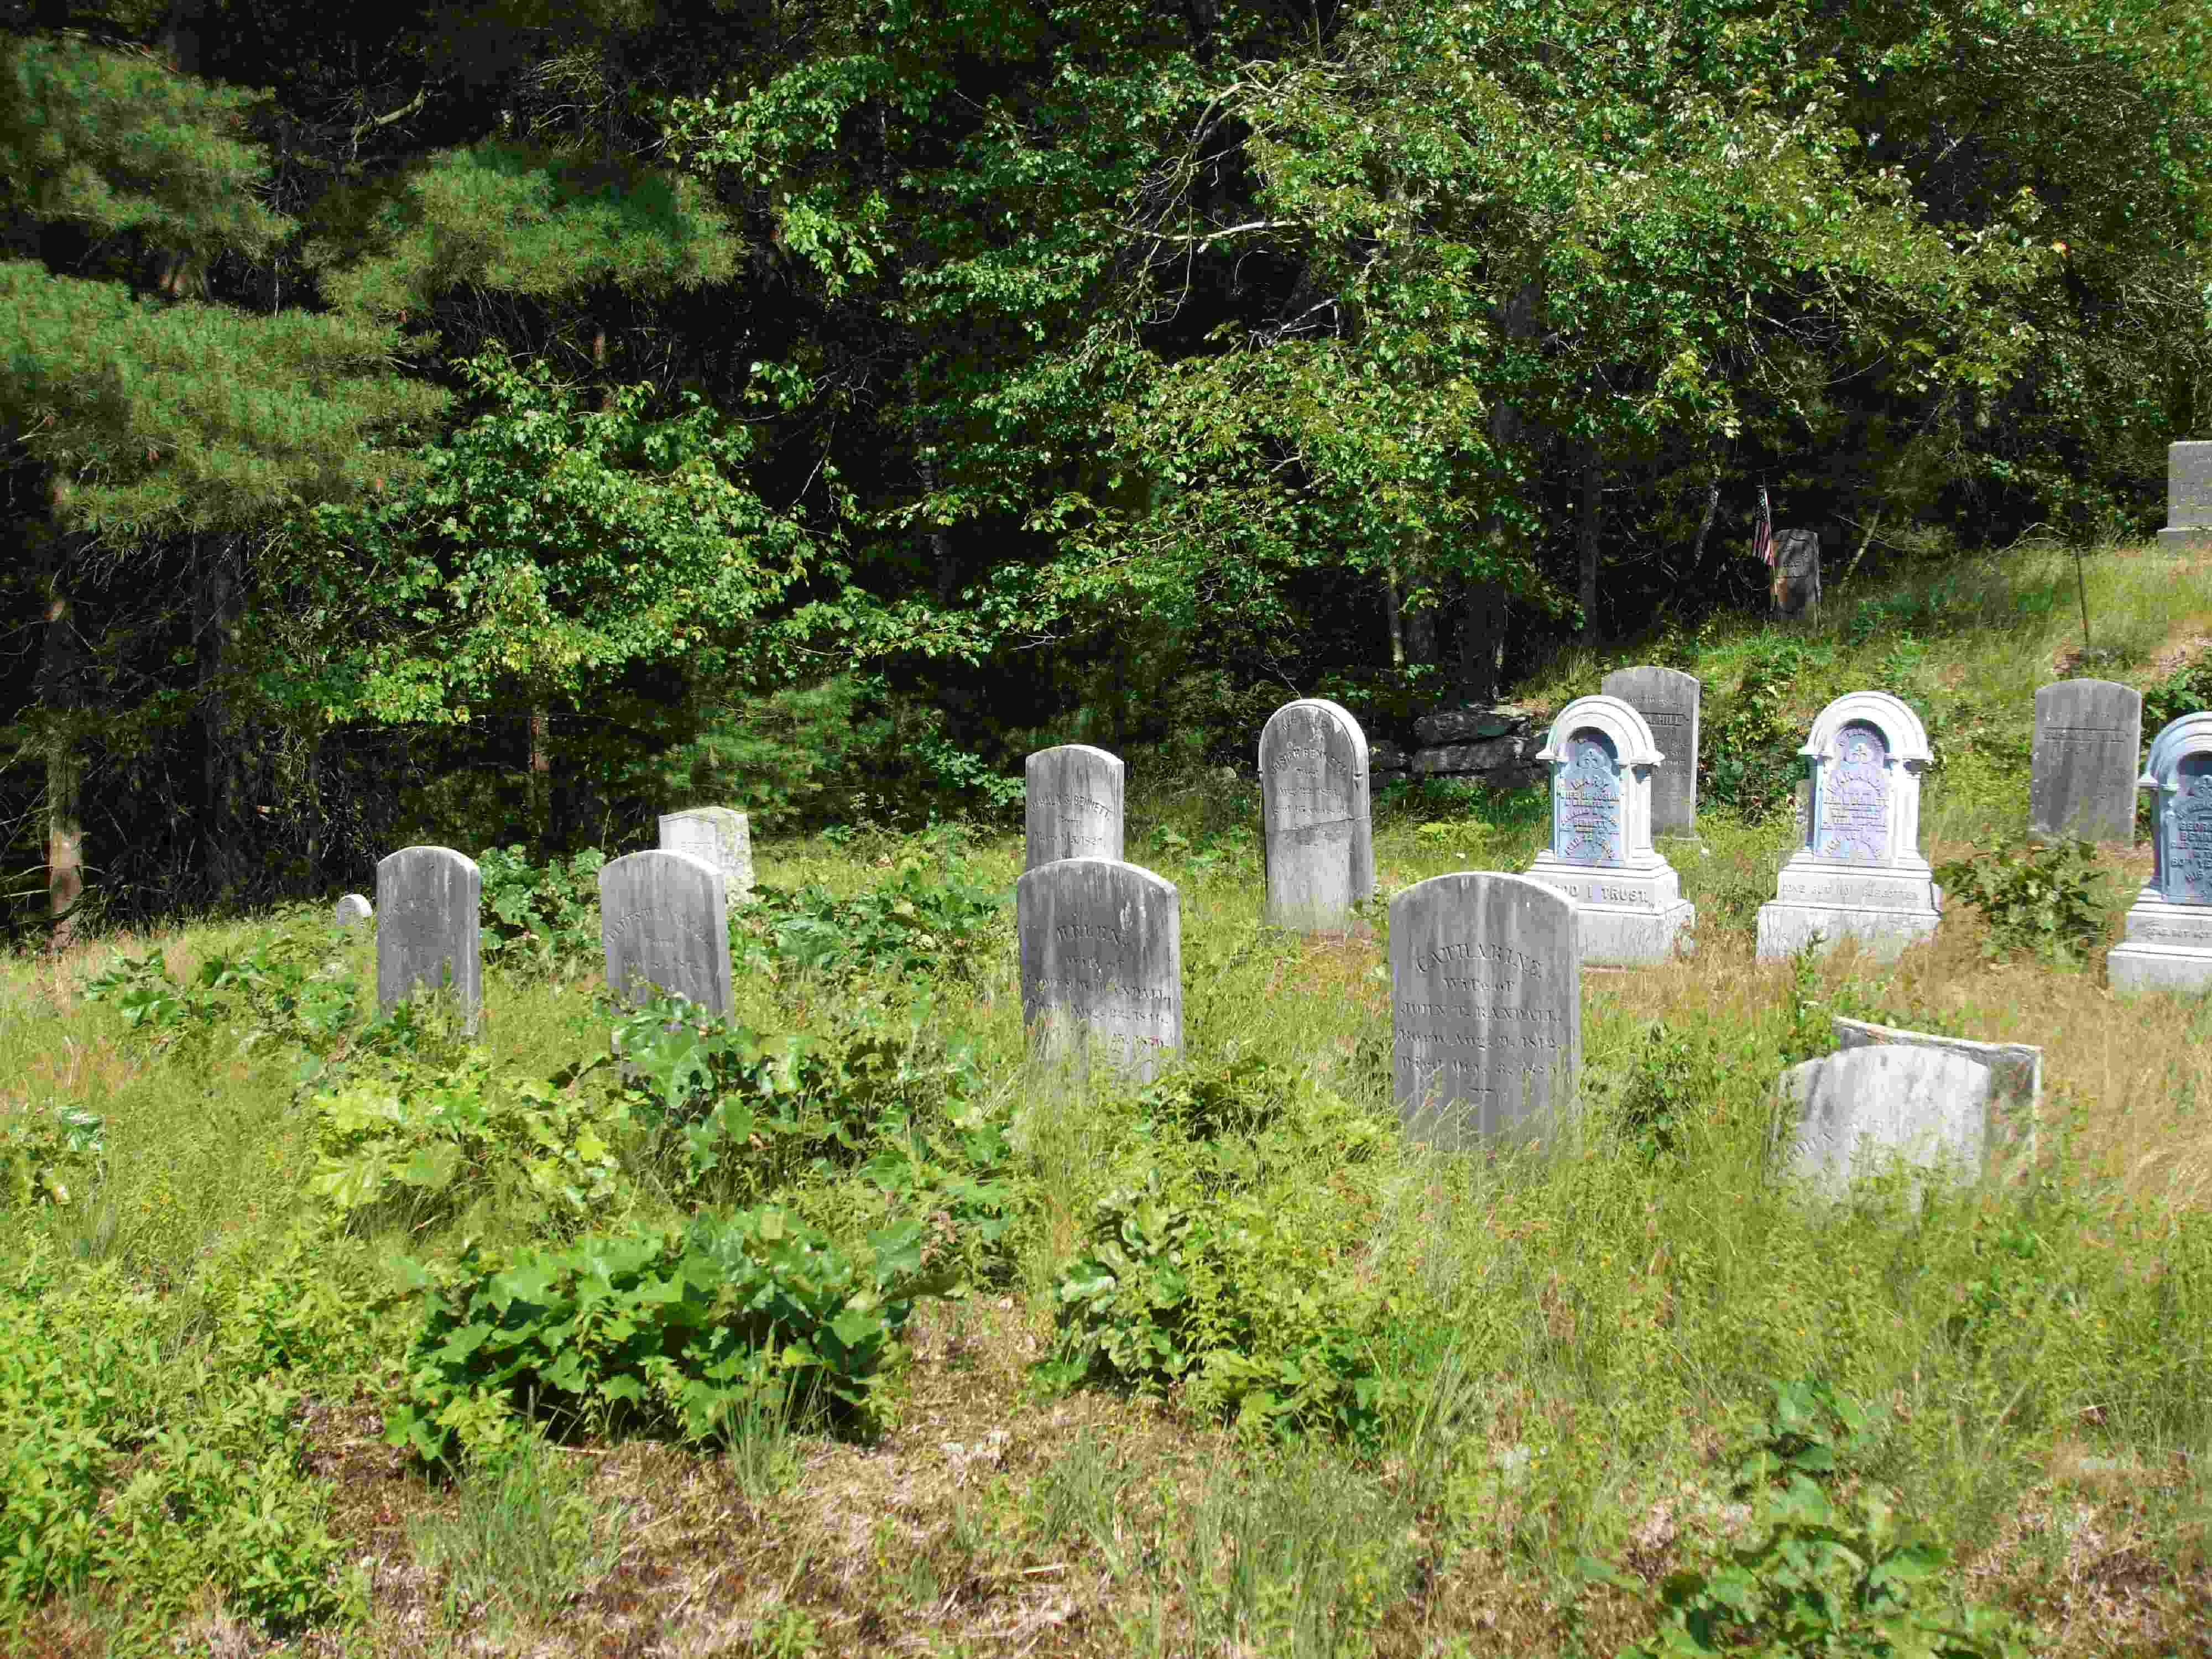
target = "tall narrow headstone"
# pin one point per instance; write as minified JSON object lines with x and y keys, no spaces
{"x":1858,"y":872}
{"x":1100,"y":944}
{"x":665,"y":924}
{"x":428,"y":933}
{"x":721,"y":836}
{"x":1314,"y":807}
{"x":1629,"y":903}
{"x":1072,"y":805}
{"x":2188,"y":499}
{"x":1850,"y":1113}
{"x":1668,"y":700}
{"x":2168,"y":941}
{"x":1485,"y":998}
{"x":2088,"y":739}
{"x":1797,"y":586}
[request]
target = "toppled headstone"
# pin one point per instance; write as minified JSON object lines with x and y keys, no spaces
{"x":428,"y":933}
{"x":1100,"y":944}
{"x":2168,"y":940}
{"x":1449,"y":726}
{"x":664,"y":925}
{"x":351,"y":911}
{"x":1853,"y":1113}
{"x":721,"y":836}
{"x":2188,"y":499}
{"x":1629,"y":903}
{"x":1072,"y":805}
{"x":1858,"y":872}
{"x":2088,"y":737}
{"x":1314,"y":806}
{"x":1668,"y":700}
{"x":2013,"y":1127}
{"x":1485,"y":998}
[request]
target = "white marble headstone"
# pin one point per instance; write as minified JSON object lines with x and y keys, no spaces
{"x":1314,"y":808}
{"x":1072,"y":797}
{"x":721,"y":836}
{"x":665,"y":924}
{"x":1101,"y":945}
{"x":429,"y":933}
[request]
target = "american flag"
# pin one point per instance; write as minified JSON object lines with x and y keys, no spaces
{"x":1762,"y":533}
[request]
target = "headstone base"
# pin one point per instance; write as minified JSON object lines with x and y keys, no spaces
{"x":2185,"y":538}
{"x":2167,"y":947}
{"x":1884,"y":909}
{"x":1626,"y":918}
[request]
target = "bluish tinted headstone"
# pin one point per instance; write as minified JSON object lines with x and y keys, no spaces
{"x":1852,"y":799}
{"x":2168,"y":942}
{"x":1586,"y":801}
{"x":2187,"y":861}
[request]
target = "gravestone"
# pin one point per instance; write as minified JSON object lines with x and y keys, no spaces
{"x":352,"y":911}
{"x":1852,"y":1113}
{"x":665,"y":924}
{"x":1797,"y":585}
{"x":1486,"y":999}
{"x":2188,"y":499}
{"x":1072,"y":805}
{"x":1857,"y":871}
{"x":429,"y":905}
{"x":1313,"y":807}
{"x":1668,"y":700}
{"x":2168,"y":940}
{"x":1628,"y":899}
{"x":1100,"y":944}
{"x":2013,"y":1130}
{"x":719,"y":835}
{"x":2088,"y":739}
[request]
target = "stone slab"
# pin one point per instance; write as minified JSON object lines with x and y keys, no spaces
{"x":2189,"y":485}
{"x":1072,"y":805}
{"x":1796,"y":587}
{"x":1101,"y":945}
{"x":665,"y":924}
{"x":1785,"y":928}
{"x":2165,"y":947}
{"x":352,"y":909}
{"x":721,"y":836}
{"x":1849,"y":1114}
{"x":2087,"y":745}
{"x":1668,"y":700}
{"x":429,"y":901}
{"x":2013,"y":1127}
{"x":1490,"y":755}
{"x":1452,"y":726}
{"x":1314,"y":807}
{"x":1485,"y":991}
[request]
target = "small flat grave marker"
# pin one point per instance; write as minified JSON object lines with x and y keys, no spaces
{"x":1071,"y":800}
{"x":352,"y":911}
{"x":1668,"y":700}
{"x":664,"y":923}
{"x":1314,"y":791}
{"x":430,"y":903}
{"x":2089,"y":738}
{"x":1100,"y":944}
{"x":2168,"y":940}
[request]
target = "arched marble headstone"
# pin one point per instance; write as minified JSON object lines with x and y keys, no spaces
{"x":1071,"y":799}
{"x":352,"y":911}
{"x":1100,"y":944}
{"x":1629,"y":899}
{"x":665,"y":922}
{"x":721,"y":836}
{"x":1668,"y":700}
{"x":428,"y":905}
{"x":1486,"y":997}
{"x":1858,"y":872}
{"x":1314,"y":791}
{"x":2168,"y":942}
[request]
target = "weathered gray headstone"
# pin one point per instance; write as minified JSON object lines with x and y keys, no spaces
{"x":1859,"y":870}
{"x":2188,"y":499}
{"x":2168,"y":941}
{"x":1100,"y":944}
{"x":1854,"y":1112}
{"x":1629,"y":903}
{"x":352,"y":911}
{"x":1486,"y":997}
{"x":429,"y":933}
{"x":2013,"y":1128}
{"x":1314,"y":806}
{"x":1797,"y":585}
{"x":721,"y":836}
{"x":665,"y":924}
{"x":2088,"y":739}
{"x":1072,"y":805}
{"x":1668,"y":700}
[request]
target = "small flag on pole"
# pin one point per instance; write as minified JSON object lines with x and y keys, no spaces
{"x":1762,"y":534}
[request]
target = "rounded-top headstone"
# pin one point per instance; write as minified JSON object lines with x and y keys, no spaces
{"x":2179,"y":773}
{"x":1071,"y":799}
{"x":721,"y":836}
{"x":1314,"y":806}
{"x":1485,"y":989}
{"x":1668,"y":700}
{"x":1867,"y":751}
{"x":1602,"y":757}
{"x":664,"y":923}
{"x":1865,"y":1107}
{"x":430,"y":903}
{"x":351,"y":911}
{"x":1100,"y":944}
{"x":2082,"y":782}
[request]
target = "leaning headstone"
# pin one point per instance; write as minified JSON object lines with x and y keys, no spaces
{"x":352,"y":911}
{"x":1858,"y":871}
{"x":1853,"y":1113}
{"x":1100,"y":944}
{"x":1485,"y":998}
{"x":1668,"y":700}
{"x":428,"y":902}
{"x":2168,"y":941}
{"x":664,"y":925}
{"x":1629,"y":903}
{"x":1797,"y":586}
{"x":2088,"y":737}
{"x":1072,"y":805}
{"x":2013,"y":1127}
{"x":721,"y":836}
{"x":1314,"y":806}
{"x":2188,"y":499}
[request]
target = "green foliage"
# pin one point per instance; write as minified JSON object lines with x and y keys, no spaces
{"x":2046,"y":900}
{"x":2186,"y":690}
{"x":910,"y":925}
{"x":1748,"y":748}
{"x":46,"y":1150}
{"x":542,"y":918}
{"x":279,"y":988}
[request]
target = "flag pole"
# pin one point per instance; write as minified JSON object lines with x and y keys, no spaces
{"x":2081,"y":588}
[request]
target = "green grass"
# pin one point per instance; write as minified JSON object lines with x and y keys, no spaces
{"x":1402,"y":1399}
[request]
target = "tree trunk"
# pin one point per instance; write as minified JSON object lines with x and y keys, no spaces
{"x":939,"y":538}
{"x":215,"y":611}
{"x":1586,"y":537}
{"x":541,"y":778}
{"x":61,"y":694}
{"x":1481,"y":634}
{"x":1393,"y":616}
